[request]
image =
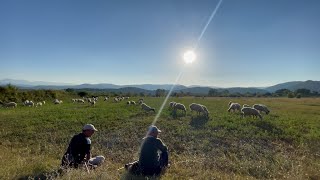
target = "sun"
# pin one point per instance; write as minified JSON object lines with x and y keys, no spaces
{"x":189,"y":57}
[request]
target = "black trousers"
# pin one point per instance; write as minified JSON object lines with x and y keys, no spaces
{"x":137,"y":169}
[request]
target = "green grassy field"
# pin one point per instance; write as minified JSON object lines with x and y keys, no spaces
{"x":284,"y":145}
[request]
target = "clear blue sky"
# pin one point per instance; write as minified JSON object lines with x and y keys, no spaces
{"x":248,"y":42}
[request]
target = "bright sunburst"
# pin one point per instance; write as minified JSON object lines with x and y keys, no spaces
{"x":189,"y":57}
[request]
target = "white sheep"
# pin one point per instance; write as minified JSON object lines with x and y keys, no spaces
{"x":171,"y":104}
{"x":248,"y":111}
{"x":147,"y":108}
{"x":9,"y":104}
{"x":115,"y":99}
{"x":57,"y":101}
{"x":38,"y":104}
{"x":198,"y":108}
{"x":234,"y":106}
{"x":29,"y":103}
{"x":133,"y":102}
{"x":140,"y":101}
{"x":205,"y":110}
{"x":245,"y":105}
{"x":81,"y":101}
{"x":43,"y":102}
{"x":261,"y":108}
{"x":179,"y":106}
{"x":106,"y":98}
{"x":93,"y":103}
{"x":128,"y":102}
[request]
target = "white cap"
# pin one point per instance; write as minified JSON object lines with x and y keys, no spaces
{"x":89,"y":127}
{"x":153,"y":128}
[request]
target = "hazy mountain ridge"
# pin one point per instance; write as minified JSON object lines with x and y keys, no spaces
{"x":150,"y":88}
{"x":294,"y":85}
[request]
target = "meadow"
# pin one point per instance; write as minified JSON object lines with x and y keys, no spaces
{"x":284,"y":145}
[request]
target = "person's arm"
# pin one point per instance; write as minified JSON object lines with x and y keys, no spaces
{"x":88,"y":156}
{"x":161,"y":146}
{"x":88,"y":150}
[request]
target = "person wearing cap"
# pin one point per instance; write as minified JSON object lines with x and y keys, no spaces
{"x":150,"y":161}
{"x":79,"y":148}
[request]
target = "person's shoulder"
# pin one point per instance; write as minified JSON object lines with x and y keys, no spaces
{"x":158,"y":139}
{"x":79,"y":137}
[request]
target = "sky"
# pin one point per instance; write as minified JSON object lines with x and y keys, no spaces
{"x":248,"y":43}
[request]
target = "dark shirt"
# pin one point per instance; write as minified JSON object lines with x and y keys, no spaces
{"x":149,"y":154}
{"x":79,"y":146}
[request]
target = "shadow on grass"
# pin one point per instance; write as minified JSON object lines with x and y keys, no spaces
{"x":198,"y":121}
{"x":269,"y":127}
{"x":178,"y":114}
{"x":41,"y":176}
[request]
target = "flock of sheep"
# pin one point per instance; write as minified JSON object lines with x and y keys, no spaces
{"x":245,"y":110}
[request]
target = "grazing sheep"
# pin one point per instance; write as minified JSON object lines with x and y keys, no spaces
{"x":93,"y":103}
{"x":29,"y":103}
{"x":133,"y":102}
{"x":198,"y":108}
{"x":9,"y":104}
{"x":140,"y":101}
{"x":171,"y":104}
{"x":38,"y":104}
{"x":57,"y":101}
{"x":234,"y":106}
{"x":245,"y":105}
{"x":261,"y":107}
{"x":115,"y":99}
{"x":205,"y":110}
{"x":43,"y":102}
{"x":147,"y":108}
{"x":180,"y":107}
{"x":81,"y":101}
{"x":248,"y":111}
{"x":128,"y":102}
{"x":106,"y":98}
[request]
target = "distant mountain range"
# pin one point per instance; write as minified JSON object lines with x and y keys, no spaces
{"x":150,"y":88}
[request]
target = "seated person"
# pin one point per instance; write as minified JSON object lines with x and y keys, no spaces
{"x":79,"y":148}
{"x":150,"y":161}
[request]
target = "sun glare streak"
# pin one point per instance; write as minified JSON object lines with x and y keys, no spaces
{"x":167,"y":97}
{"x":188,"y":57}
{"x":206,"y":26}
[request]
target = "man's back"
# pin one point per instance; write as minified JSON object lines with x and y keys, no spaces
{"x":149,"y":157}
{"x":78,"y":148}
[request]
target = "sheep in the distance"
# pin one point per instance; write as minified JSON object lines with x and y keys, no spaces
{"x":234,"y":106}
{"x":133,"y":102}
{"x":179,"y":106}
{"x":248,"y":111}
{"x":29,"y":103}
{"x":57,"y":101}
{"x":261,"y":108}
{"x":38,"y":104}
{"x":147,"y":108}
{"x":9,"y":104}
{"x":205,"y":110}
{"x":199,"y":109}
{"x":171,"y":104}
